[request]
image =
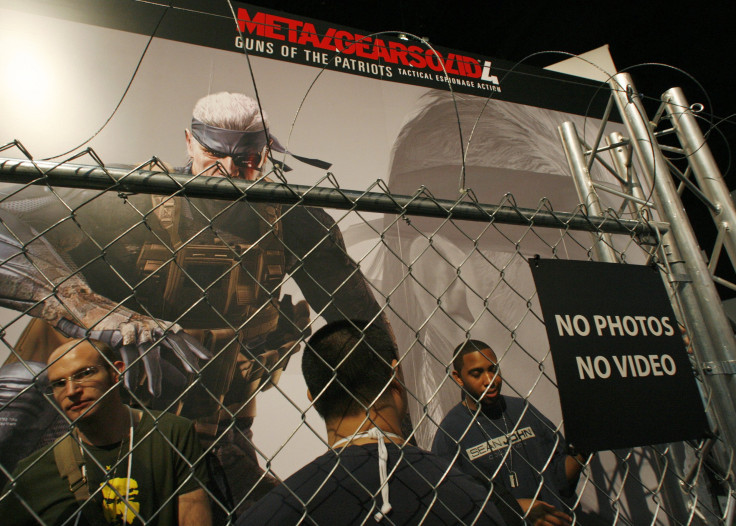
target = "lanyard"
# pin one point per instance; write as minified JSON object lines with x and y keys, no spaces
{"x":379,"y":435}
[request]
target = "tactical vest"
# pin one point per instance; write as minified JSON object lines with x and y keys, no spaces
{"x":204,"y":277}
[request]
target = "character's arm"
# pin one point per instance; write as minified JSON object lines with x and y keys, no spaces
{"x":36,"y":281}
{"x":331,"y":281}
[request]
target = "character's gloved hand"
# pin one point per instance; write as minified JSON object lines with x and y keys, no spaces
{"x":141,"y":340}
{"x":35,"y":280}
{"x":293,"y":322}
{"x":265,"y":364}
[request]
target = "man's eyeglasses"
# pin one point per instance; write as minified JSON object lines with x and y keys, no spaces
{"x":81,"y":377}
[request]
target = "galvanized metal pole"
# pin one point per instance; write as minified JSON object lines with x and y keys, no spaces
{"x":691,"y":263}
{"x":704,"y":167}
{"x":603,"y":244}
{"x":672,"y":494}
{"x":156,"y":182}
{"x":621,"y":155}
{"x":623,"y":162}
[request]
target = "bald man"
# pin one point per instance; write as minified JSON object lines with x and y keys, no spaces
{"x":126,"y":463}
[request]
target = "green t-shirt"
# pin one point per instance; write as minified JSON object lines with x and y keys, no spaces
{"x":158,"y":472}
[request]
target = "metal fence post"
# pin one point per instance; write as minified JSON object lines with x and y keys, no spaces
{"x":623,"y":162}
{"x":671,"y":491}
{"x":691,"y":263}
{"x":704,"y":167}
{"x":584,"y":186}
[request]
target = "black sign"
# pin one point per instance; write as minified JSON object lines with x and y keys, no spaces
{"x":623,"y":373}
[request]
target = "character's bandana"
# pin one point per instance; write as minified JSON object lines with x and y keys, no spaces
{"x":241,"y":145}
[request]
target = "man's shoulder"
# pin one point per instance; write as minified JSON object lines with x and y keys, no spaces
{"x":417,"y":478}
{"x":164,"y":417}
{"x":515,"y":403}
{"x":38,"y":459}
{"x":458,"y":409}
{"x":516,"y":406}
{"x":335,"y":468}
{"x":455,"y":489}
{"x":285,"y":502}
{"x":450,"y":429}
{"x":314,"y":472}
{"x":38,"y":465}
{"x":458,"y":413}
{"x":426,"y":462}
{"x":165,"y":422}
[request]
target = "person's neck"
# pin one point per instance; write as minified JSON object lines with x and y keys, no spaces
{"x":107,"y":428}
{"x":493,"y":408}
{"x":387,"y":420}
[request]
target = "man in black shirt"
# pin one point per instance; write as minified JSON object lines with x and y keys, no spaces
{"x":370,"y":474}
{"x":505,"y":439}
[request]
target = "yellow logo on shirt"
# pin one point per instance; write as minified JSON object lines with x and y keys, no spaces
{"x":114,"y":507}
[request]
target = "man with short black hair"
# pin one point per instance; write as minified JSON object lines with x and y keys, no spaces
{"x":370,"y":473}
{"x":119,"y":465}
{"x":505,"y":440}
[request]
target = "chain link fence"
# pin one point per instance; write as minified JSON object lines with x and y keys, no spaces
{"x":139,"y":258}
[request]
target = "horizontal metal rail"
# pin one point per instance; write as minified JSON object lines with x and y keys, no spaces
{"x":155,"y":182}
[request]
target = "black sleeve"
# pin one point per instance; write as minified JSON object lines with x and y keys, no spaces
{"x":330,"y":280}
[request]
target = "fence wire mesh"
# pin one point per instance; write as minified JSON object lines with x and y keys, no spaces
{"x":207,"y":289}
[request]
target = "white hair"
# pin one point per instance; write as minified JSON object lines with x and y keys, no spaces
{"x":496,"y":134}
{"x":231,"y":111}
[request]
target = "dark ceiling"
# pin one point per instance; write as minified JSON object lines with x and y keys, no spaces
{"x":697,"y":37}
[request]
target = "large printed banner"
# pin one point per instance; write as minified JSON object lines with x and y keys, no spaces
{"x":122,"y":77}
{"x":623,"y":374}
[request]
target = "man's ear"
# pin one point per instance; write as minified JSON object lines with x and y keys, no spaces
{"x":264,"y":156}
{"x":398,"y":390}
{"x":188,"y":138}
{"x":119,"y":367}
{"x":309,"y":395}
{"x":457,"y":378}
